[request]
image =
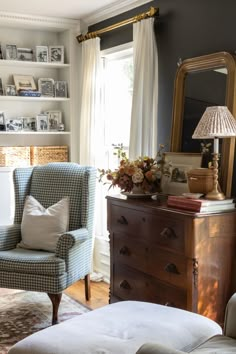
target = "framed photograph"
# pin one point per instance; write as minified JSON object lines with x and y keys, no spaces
{"x":46,"y":87}
{"x":29,"y":123}
{"x":42,"y":122}
{"x":1,"y":88}
{"x":60,"y":88}
{"x":56,"y":54}
{"x":2,"y":121}
{"x":41,"y":53}
{"x":1,"y":54}
{"x":178,"y":165}
{"x":14,"y":124}
{"x":24,"y":82}
{"x":54,"y":119}
{"x":10,"y":90}
{"x":11,"y":52}
{"x":25,"y":54}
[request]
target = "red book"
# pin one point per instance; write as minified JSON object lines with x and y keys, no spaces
{"x":199,"y":205}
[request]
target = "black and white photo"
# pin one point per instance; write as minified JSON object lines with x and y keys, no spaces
{"x":25,"y":54}
{"x":41,"y":53}
{"x":46,"y":87}
{"x":11,"y":52}
{"x":56,"y":54}
{"x":42,"y":122}
{"x":14,"y":124}
{"x":1,"y":54}
{"x":60,"y":89}
{"x":2,"y":121}
{"x":2,"y":118}
{"x":54,"y":119}
{"x":1,"y":88}
{"x":10,"y":90}
{"x":29,"y":123}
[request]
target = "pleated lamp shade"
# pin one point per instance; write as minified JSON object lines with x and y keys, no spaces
{"x":217,"y":121}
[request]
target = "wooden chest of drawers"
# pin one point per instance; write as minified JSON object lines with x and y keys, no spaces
{"x":171,"y":257}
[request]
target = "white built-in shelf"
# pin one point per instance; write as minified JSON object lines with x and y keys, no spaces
{"x":38,"y":99}
{"x":33,"y":64}
{"x":23,"y":132}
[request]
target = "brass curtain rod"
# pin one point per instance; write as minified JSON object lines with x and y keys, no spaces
{"x":151,"y":13}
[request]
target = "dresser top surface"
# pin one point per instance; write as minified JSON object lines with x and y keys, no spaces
{"x":158,"y":202}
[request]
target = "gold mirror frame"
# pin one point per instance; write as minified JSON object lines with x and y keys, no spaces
{"x":199,"y":64}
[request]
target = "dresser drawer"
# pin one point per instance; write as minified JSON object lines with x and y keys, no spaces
{"x":133,"y":285}
{"x":155,"y":228}
{"x":150,"y":259}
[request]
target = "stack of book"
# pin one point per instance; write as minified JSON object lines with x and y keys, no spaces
{"x":200,"y":205}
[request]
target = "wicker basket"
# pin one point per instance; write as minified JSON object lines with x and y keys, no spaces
{"x":200,"y":180}
{"x":41,"y":155}
{"x":14,"y":156}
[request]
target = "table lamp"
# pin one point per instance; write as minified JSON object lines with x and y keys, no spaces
{"x":216,"y":122}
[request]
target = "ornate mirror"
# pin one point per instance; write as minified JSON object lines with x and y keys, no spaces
{"x":200,"y":82}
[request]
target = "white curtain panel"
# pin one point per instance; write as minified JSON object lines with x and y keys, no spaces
{"x":90,"y":129}
{"x":143,"y":131}
{"x":91,"y":123}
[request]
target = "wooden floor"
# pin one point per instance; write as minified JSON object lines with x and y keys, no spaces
{"x":99,"y":293}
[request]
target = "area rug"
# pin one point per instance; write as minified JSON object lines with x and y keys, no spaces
{"x":24,"y":312}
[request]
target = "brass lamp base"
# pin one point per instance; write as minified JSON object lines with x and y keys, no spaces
{"x":215,"y":195}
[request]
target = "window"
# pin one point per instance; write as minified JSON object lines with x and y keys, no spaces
{"x":116,"y":106}
{"x":118,"y":92}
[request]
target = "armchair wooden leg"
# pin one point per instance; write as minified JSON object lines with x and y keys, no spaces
{"x":87,"y":287}
{"x":55,"y":299}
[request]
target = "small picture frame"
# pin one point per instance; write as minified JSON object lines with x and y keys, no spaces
{"x":46,"y":87}
{"x":24,"y":82}
{"x":25,"y":54}
{"x":11,"y":52}
{"x":41,"y":53}
{"x":2,"y":121}
{"x":14,"y":124}
{"x":42,"y":122}
{"x":29,"y":123}
{"x":54,"y":120}
{"x":1,"y":88}
{"x":176,"y":183}
{"x":1,"y":54}
{"x":60,"y":88}
{"x":56,"y":54}
{"x":10,"y":90}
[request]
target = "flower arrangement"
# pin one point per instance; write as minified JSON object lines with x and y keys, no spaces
{"x":144,"y":173}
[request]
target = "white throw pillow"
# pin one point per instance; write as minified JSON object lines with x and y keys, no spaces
{"x":40,"y":227}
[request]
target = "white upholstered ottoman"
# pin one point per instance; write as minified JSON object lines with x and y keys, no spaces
{"x":121,"y":328}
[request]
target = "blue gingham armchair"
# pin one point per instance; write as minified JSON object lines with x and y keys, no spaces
{"x":46,"y":271}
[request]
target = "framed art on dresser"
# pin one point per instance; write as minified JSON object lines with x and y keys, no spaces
{"x":179,"y":164}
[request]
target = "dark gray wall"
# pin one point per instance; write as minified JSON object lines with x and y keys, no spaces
{"x":185,"y":29}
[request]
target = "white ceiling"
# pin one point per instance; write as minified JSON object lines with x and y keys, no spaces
{"x":74,"y":9}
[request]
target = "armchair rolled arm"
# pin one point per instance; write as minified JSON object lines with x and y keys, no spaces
{"x":156,"y":348}
{"x":10,"y":235}
{"x":230,"y":318}
{"x":69,"y":239}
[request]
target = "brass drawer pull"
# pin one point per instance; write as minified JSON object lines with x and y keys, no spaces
{"x":125,"y":251}
{"x":122,"y":220}
{"x":125,"y":285}
{"x":171,"y":268}
{"x":168,"y":233}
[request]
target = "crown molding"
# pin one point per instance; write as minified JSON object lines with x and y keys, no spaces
{"x":113,"y":10}
{"x":57,"y":23}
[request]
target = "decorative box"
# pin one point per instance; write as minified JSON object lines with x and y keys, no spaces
{"x":29,"y":93}
{"x":200,"y":180}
